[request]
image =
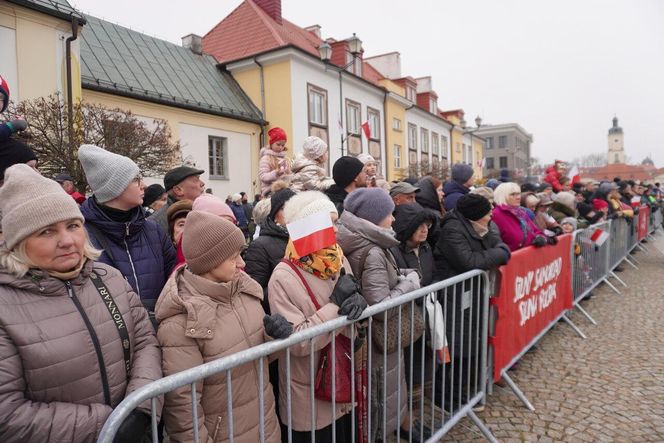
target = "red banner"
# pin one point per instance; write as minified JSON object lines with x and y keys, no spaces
{"x":644,"y":222}
{"x":535,"y":288}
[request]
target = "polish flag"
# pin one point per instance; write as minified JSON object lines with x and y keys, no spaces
{"x":599,"y":237}
{"x":636,"y":201}
{"x":312,"y":233}
{"x":574,"y":175}
{"x":366,"y":129}
{"x":481,"y":163}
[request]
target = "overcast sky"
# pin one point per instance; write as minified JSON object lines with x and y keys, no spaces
{"x":561,"y":69}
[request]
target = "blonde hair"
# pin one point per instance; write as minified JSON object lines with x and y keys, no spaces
{"x":503,"y":191}
{"x":17,"y":263}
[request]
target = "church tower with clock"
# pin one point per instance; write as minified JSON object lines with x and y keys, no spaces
{"x":616,"y":144}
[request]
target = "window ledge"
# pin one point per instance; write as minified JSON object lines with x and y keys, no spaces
{"x":218,"y":177}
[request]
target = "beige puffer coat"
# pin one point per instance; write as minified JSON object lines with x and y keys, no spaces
{"x":309,"y":176}
{"x":201,"y":321}
{"x":288,"y":297}
{"x":51,"y":381}
{"x":361,"y":240}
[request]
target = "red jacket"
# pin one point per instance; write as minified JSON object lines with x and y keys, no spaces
{"x":553,"y":178}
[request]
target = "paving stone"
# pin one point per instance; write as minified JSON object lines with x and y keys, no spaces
{"x":607,"y":388}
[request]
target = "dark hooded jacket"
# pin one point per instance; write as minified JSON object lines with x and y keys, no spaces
{"x":453,"y":192}
{"x":337,"y":195}
{"x":428,"y":199}
{"x":264,"y":254}
{"x":139,"y":249}
{"x":407,"y":218}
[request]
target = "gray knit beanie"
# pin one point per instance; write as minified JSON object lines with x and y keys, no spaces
{"x":108,"y":174}
{"x":371,"y":204}
{"x":208,"y":241}
{"x":30,"y":202}
{"x":462,"y":172}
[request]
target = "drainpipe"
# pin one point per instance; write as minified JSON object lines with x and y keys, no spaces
{"x":70,"y":104}
{"x":262,"y":81}
{"x":386,"y":157}
{"x":341,"y":108}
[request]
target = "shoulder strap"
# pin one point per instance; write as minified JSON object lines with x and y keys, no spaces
{"x":102,"y":240}
{"x":304,"y":282}
{"x":116,"y":315}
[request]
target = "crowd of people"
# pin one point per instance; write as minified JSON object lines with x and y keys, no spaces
{"x":103,"y":294}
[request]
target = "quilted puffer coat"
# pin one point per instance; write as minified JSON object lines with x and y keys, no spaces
{"x":140,"y":249}
{"x":201,"y":321}
{"x":365,"y":245}
{"x":61,"y":358}
{"x":309,"y":176}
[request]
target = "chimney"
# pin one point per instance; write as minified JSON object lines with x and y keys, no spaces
{"x":314,"y":29}
{"x":271,"y":8}
{"x":194,"y":43}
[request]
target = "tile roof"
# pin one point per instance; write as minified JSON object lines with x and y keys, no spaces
{"x":249,"y":30}
{"x":371,"y":74}
{"x":121,"y":61}
{"x":624,"y":171}
{"x":55,"y":8}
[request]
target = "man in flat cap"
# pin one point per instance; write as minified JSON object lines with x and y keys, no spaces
{"x":403,"y":193}
{"x":181,"y":183}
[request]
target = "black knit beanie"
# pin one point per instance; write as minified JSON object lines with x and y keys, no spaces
{"x":152,"y":194}
{"x":13,"y":152}
{"x":278,"y":200}
{"x":473,"y":206}
{"x":345,"y":170}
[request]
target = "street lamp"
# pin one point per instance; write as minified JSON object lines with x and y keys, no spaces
{"x":478,"y":123}
{"x":325,"y":54}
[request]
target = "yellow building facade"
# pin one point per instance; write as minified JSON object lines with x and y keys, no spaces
{"x":396,"y":157}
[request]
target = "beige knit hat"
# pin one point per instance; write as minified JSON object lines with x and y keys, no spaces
{"x":30,"y":202}
{"x":305,"y":204}
{"x":208,"y":241}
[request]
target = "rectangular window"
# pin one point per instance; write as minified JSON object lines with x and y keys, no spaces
{"x":373,"y":116}
{"x":443,"y":146}
{"x":397,"y":156}
{"x":353,"y":117}
{"x":464,"y":154}
{"x":396,"y":124}
{"x":490,"y":164}
{"x":317,"y":105}
{"x":411,"y":94}
{"x":218,"y":157}
{"x":424,"y":142}
{"x":489,"y":142}
{"x":435,"y":144}
{"x":502,"y":161}
{"x":412,"y":137}
{"x":433,"y":106}
{"x":502,"y":141}
{"x":469,"y":157}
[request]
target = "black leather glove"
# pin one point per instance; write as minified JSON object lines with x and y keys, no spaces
{"x":346,"y":286}
{"x":133,"y":429}
{"x":276,"y":326}
{"x":353,"y":306}
{"x":539,"y":241}
{"x":552,"y":240}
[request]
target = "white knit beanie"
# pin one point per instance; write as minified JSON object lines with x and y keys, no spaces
{"x":30,"y":202}
{"x":313,"y":147}
{"x":366,"y":158}
{"x":108,"y":174}
{"x":305,"y":204}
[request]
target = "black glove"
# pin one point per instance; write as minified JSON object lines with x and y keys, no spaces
{"x":133,"y":429}
{"x":506,"y":248}
{"x":557,"y":230}
{"x":276,"y":326}
{"x":346,"y":286}
{"x":552,"y":240}
{"x":353,"y":306}
{"x":17,"y":125}
{"x":539,"y":241}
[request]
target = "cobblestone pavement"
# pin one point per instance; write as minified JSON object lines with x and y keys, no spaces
{"x":608,"y":388}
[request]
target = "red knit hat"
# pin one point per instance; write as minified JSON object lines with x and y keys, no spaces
{"x":4,"y":94}
{"x":598,"y":204}
{"x":276,"y":135}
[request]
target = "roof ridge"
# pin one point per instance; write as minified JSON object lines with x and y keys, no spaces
{"x":267,"y":20}
{"x":224,"y":19}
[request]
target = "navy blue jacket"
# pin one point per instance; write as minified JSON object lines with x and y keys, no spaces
{"x":240,"y":215}
{"x":140,"y":249}
{"x":453,"y":192}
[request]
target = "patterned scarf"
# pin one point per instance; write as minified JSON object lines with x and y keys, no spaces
{"x":323,"y":263}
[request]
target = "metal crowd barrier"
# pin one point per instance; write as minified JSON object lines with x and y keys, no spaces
{"x":446,"y":392}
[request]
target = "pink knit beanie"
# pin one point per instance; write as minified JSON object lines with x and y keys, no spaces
{"x":213,"y":205}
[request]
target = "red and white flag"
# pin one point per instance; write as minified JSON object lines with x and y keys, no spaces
{"x":481,"y":163}
{"x":574,"y":175}
{"x":599,"y":237}
{"x":367,"y":129}
{"x":312,"y":233}
{"x":636,"y":201}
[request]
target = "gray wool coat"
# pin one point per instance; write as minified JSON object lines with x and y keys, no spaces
{"x":361,"y":241}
